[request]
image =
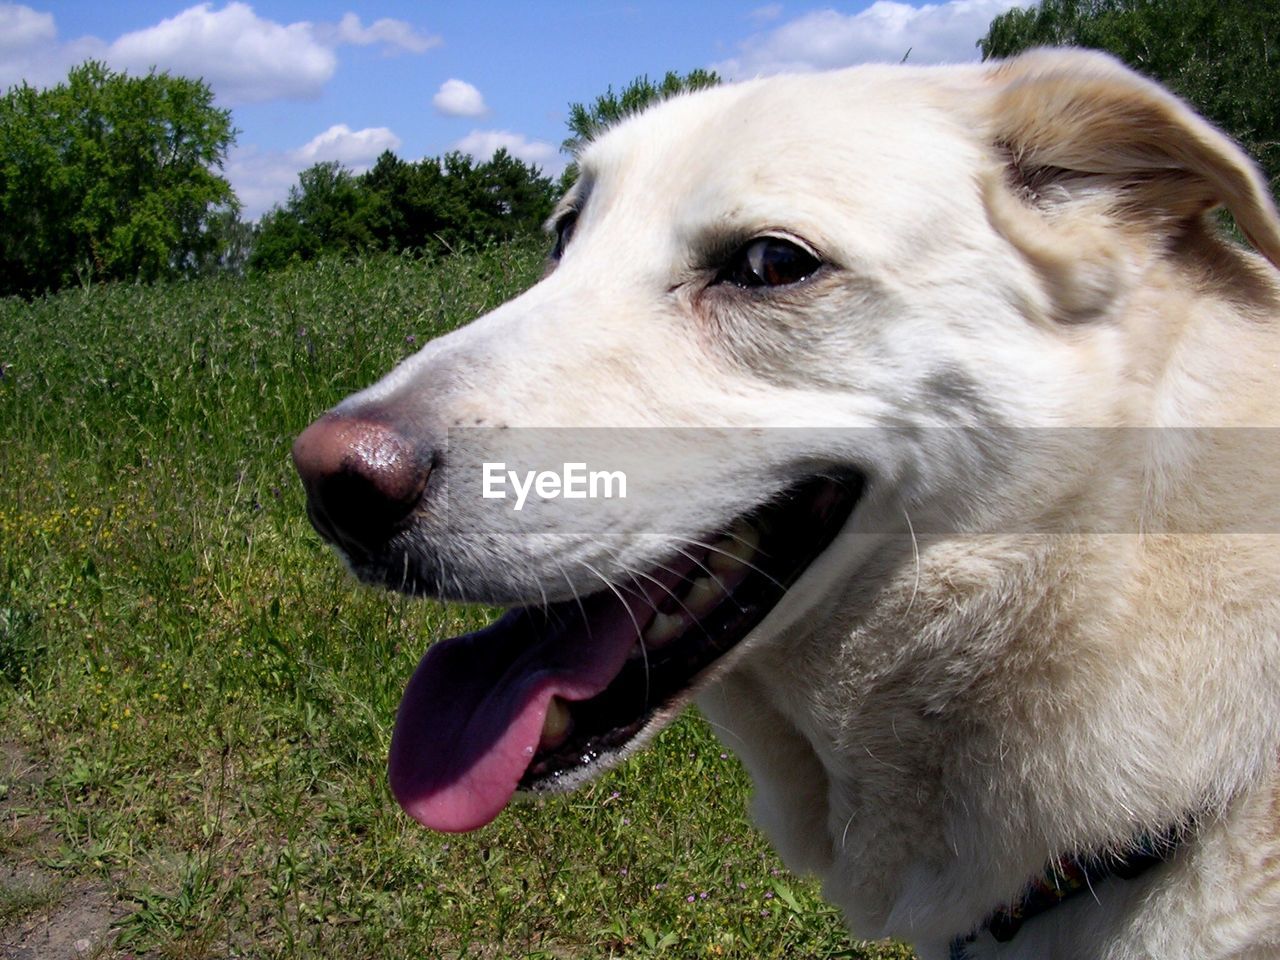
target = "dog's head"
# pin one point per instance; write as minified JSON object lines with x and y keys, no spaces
{"x":785,"y":312}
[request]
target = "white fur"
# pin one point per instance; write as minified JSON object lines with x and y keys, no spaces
{"x":928,"y":717}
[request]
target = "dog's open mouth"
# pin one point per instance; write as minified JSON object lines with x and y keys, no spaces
{"x":548,"y":695}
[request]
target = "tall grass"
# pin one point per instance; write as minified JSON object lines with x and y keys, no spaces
{"x":207,"y":696}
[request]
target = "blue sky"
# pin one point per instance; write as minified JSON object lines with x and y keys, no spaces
{"x":343,"y":81}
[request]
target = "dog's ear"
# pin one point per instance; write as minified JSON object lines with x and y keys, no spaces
{"x":1079,"y":118}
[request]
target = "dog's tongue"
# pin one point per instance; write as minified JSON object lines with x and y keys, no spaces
{"x":472,"y":714}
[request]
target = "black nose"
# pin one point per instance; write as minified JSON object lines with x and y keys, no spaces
{"x":363,"y":480}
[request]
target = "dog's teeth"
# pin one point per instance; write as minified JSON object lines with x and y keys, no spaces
{"x":735,"y":551}
{"x":664,"y":628}
{"x":556,"y":726}
{"x":704,"y":594}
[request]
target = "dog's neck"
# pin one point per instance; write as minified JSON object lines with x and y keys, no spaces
{"x":1068,"y":877}
{"x":973,"y":745}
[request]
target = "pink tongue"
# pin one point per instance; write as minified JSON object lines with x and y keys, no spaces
{"x":471,"y":716}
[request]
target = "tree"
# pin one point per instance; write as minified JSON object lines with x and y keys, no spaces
{"x":498,"y":199}
{"x":586,"y":122}
{"x":108,"y":176}
{"x":230,"y":242}
{"x":1223,"y":56}
{"x":326,"y":211}
{"x":434,"y":204}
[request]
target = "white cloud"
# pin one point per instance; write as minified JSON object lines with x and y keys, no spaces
{"x":347,"y":146}
{"x":245,"y":58}
{"x":397,"y":35}
{"x":457,"y":98}
{"x":933,"y":33}
{"x":30,"y":50}
{"x":23,"y":27}
{"x":242,"y":56}
{"x":483,"y":144}
{"x":262,"y":178}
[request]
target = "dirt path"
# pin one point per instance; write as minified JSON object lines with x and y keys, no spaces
{"x":44,"y":915}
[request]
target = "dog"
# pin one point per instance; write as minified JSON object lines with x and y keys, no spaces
{"x":948,"y":408}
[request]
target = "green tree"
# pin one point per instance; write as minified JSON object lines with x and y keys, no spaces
{"x":586,"y":122}
{"x":495,"y":200}
{"x":392,"y":213}
{"x":435,"y":204}
{"x":327,"y":211}
{"x":108,"y":176}
{"x":412,"y":206}
{"x":229,"y":243}
{"x":1223,"y":56}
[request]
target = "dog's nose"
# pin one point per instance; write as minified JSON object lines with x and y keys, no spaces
{"x":363,"y":480}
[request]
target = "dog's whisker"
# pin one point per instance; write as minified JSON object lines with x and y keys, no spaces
{"x":636,"y":588}
{"x":915,"y":552}
{"x":542,"y":592}
{"x":727,"y":731}
{"x":746,"y":563}
{"x":573,"y":591}
{"x":626,"y":606}
{"x":670,"y":591}
{"x":711,"y":574}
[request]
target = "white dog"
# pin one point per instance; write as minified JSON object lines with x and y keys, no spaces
{"x":942,"y":410}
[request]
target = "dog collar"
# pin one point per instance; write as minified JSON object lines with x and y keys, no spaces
{"x":1067,"y":877}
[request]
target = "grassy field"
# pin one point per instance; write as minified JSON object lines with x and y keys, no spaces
{"x":195,"y":700}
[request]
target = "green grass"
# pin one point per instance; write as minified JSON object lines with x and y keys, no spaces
{"x":206,"y":696}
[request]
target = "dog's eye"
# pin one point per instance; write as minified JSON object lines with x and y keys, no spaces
{"x":769,"y":262}
{"x":564,"y":233}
